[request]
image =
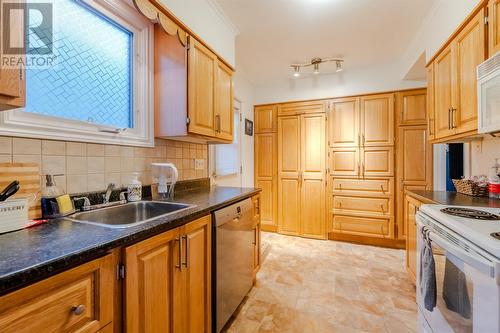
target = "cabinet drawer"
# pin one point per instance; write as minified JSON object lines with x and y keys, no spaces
{"x":79,"y":300}
{"x":362,"y":187}
{"x":363,"y":226}
{"x":362,"y":205}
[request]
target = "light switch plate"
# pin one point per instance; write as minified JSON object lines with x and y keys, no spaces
{"x":199,"y":164}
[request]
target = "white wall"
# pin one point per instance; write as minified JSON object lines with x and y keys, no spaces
{"x":349,"y":82}
{"x":205,"y":19}
{"x":483,"y":155}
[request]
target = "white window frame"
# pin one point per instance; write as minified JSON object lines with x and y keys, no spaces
{"x":25,"y":124}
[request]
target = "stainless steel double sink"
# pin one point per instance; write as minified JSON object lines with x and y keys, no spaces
{"x":129,"y":214}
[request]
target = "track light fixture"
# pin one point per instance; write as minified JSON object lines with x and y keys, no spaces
{"x":315,"y":62}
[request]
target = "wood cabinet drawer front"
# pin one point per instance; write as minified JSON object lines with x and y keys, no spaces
{"x":376,"y":187}
{"x":363,"y":226}
{"x":79,"y":300}
{"x":362,"y":205}
{"x":301,"y":108}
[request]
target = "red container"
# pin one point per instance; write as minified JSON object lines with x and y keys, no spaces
{"x":494,"y":190}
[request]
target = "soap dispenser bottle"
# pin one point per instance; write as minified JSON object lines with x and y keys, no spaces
{"x":134,"y":189}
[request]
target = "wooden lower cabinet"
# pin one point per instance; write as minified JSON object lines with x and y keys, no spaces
{"x":266,"y":178}
{"x":167,"y":283}
{"x":257,"y":239}
{"x":78,"y":300}
{"x":411,"y":207}
{"x":380,"y":227}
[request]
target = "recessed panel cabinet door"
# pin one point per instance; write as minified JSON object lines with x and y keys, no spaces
{"x":344,"y":162}
{"x":289,"y":175}
{"x":149,"y":283}
{"x":266,"y":119}
{"x":377,"y":162}
{"x":313,"y":221}
{"x":431,"y":118}
{"x":265,"y":176}
{"x":224,"y":102}
{"x":412,"y":107}
{"x":469,"y":54}
{"x":343,"y":123}
{"x":377,"y":120}
{"x":202,"y":64}
{"x":443,"y":93}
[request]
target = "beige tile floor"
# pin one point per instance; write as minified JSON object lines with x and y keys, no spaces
{"x":324,"y":286}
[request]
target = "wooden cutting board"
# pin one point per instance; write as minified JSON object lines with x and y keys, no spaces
{"x":28,"y":175}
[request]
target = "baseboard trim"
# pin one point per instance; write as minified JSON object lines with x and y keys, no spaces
{"x":268,"y":227}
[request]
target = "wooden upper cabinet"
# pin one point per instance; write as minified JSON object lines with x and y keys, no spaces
{"x":344,"y":162}
{"x":265,"y":118}
{"x":443,"y":93}
{"x":494,"y":27}
{"x":202,"y":66}
{"x":412,"y":107}
{"x":377,"y":162}
{"x":431,"y":118}
{"x":454,"y":81}
{"x":470,"y":52}
{"x":343,"y":122}
{"x":224,"y":102}
{"x":78,"y":300}
{"x":377,"y":120}
{"x":302,"y":107}
{"x":12,"y":80}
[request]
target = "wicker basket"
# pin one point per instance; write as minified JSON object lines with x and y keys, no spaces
{"x":470,"y":188}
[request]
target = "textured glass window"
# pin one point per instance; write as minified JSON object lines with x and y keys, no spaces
{"x":92,"y":78}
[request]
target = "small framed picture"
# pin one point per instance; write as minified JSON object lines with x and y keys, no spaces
{"x":248,"y":127}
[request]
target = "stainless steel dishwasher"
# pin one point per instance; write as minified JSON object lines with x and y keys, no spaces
{"x":233,"y":265}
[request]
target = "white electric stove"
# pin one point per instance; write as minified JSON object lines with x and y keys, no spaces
{"x":466,"y":250}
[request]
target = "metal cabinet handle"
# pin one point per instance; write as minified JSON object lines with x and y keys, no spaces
{"x":453,"y":110}
{"x":363,"y":136}
{"x":217,"y":123}
{"x":359,"y":140}
{"x":431,"y":132}
{"x":363,"y":168}
{"x":179,"y":254}
{"x":449,"y":118}
{"x":186,"y":256}
{"x":78,"y":310}
{"x":382,"y":208}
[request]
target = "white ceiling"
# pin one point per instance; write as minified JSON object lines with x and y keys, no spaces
{"x":276,"y":33}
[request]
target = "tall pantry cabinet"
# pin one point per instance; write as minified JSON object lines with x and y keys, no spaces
{"x":266,"y":124}
{"x":301,"y":170}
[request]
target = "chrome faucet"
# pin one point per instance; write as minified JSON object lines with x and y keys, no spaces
{"x":109,"y":190}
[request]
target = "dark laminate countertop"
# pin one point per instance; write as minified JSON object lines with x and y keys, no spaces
{"x":453,"y":199}
{"x":29,"y":255}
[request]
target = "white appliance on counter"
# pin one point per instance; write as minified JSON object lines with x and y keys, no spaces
{"x":488,"y":95}
{"x":466,"y":251}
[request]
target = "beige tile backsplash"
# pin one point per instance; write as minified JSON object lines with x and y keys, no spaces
{"x":90,"y":167}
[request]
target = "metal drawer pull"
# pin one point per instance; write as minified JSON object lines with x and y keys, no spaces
{"x":453,"y":110}
{"x":186,"y":258}
{"x":179,"y":254}
{"x":78,"y":310}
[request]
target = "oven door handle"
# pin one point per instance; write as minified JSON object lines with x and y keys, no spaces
{"x":482,"y":264}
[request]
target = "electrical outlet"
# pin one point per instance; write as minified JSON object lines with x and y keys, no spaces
{"x":199,"y":164}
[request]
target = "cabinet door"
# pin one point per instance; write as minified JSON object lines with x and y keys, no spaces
{"x":431,"y":118}
{"x":377,"y":162}
{"x":202,"y":64}
{"x":494,"y":27}
{"x":266,"y":118}
{"x":469,"y":49}
{"x":197,"y":279}
{"x":265,"y":178}
{"x":290,"y":109}
{"x":410,"y":211}
{"x":12,"y":82}
{"x":414,"y":166}
{"x":289,"y":175}
{"x":377,"y":120}
{"x":313,"y":128}
{"x":149,"y":282}
{"x":443,"y":99}
{"x":343,"y":123}
{"x":344,"y":162}
{"x":412,"y":107}
{"x":224,"y":102}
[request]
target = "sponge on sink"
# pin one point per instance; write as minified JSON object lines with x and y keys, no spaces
{"x":65,"y":204}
